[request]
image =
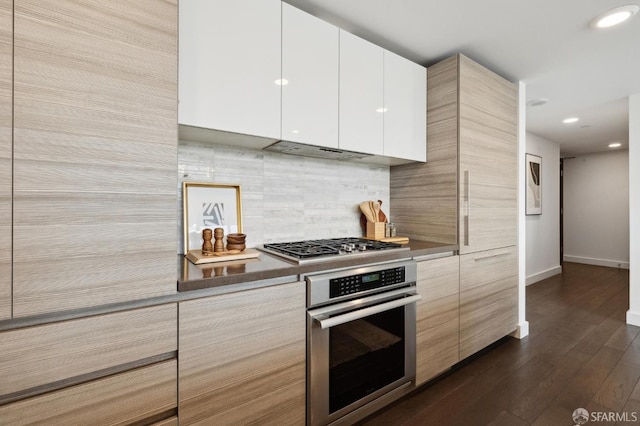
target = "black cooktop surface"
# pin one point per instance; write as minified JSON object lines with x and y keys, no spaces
{"x":328,"y":247}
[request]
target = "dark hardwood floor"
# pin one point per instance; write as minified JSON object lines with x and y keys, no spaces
{"x":579,"y":353}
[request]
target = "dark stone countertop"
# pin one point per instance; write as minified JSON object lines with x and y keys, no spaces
{"x":269,"y":267}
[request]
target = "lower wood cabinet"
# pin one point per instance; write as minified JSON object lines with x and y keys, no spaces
{"x":242,"y":358}
{"x":52,"y":355}
{"x":488,"y":298}
{"x":437,"y":317}
{"x":124,"y":398}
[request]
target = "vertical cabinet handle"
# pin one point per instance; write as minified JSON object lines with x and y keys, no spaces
{"x":467,"y":206}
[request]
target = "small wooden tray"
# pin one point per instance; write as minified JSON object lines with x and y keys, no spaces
{"x":196,"y":257}
{"x":397,"y":240}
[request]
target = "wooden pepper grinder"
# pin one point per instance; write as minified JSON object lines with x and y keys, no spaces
{"x":207,"y":247}
{"x":218,"y":234}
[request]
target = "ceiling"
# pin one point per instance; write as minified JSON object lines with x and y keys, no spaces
{"x":547,"y":44}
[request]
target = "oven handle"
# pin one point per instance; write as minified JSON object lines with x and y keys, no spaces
{"x":361,"y":313}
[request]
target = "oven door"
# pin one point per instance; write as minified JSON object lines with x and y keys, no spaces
{"x":359,"y":351}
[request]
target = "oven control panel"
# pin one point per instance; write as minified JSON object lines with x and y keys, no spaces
{"x":345,"y":285}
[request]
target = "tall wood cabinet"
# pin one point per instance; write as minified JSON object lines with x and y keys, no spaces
{"x":242,"y":357}
{"x":6,"y":113}
{"x":467,"y":193}
{"x":95,"y":147}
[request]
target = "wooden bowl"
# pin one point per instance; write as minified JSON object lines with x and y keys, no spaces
{"x":231,"y":240}
{"x":237,"y":236}
{"x":235,"y":247}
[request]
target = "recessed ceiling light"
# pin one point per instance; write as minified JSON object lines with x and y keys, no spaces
{"x":281,"y":82}
{"x":537,"y":102}
{"x":570,"y":120}
{"x":615,"y":145}
{"x":615,"y":16}
{"x":381,"y":110}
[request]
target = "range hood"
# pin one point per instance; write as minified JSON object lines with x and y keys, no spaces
{"x":294,"y":148}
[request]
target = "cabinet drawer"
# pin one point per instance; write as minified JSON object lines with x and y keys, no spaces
{"x":46,"y":354}
{"x":120,"y":399}
{"x":488,"y":298}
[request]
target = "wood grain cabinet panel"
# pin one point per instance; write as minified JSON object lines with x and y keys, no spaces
{"x":488,"y":298}
{"x":424,"y":197}
{"x":52,"y":353}
{"x":242,"y":358}
{"x":95,"y":148}
{"x":488,"y":133}
{"x":437,"y":317}
{"x":467,"y":193}
{"x":124,"y":398}
{"x":6,"y":116}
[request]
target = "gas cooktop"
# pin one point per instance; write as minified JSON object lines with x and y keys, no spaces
{"x":328,"y":249}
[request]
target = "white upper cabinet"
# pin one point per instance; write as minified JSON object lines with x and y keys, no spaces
{"x":310,"y":71}
{"x":405,"y":102}
{"x":361,"y":95}
{"x":229,"y":61}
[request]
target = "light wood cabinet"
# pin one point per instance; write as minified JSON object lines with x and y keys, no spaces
{"x":467,"y":193}
{"x":488,"y":298}
{"x":242,"y":357}
{"x":405,"y":104}
{"x":437,"y":317}
{"x":95,"y":147}
{"x":229,"y":63}
{"x":6,"y":117}
{"x":39,"y":356}
{"x":310,"y":66}
{"x":472,"y":151}
{"x":124,"y":398}
{"x":361,"y":95}
{"x":488,"y":151}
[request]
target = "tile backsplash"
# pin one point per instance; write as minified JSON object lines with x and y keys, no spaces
{"x":286,"y":197}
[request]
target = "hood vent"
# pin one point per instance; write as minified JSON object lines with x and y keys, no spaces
{"x":293,"y":148}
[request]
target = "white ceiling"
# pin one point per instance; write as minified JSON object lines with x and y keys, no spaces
{"x":547,"y":44}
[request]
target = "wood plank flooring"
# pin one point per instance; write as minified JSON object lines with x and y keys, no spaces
{"x":580,"y":353}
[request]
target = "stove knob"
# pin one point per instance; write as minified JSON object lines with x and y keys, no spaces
{"x":362,"y":247}
{"x":352,"y":246}
{"x":345,"y":247}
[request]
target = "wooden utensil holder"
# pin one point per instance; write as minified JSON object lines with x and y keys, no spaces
{"x":375,"y":230}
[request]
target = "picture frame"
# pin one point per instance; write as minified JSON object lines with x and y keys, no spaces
{"x":533,"y":184}
{"x":209,"y":205}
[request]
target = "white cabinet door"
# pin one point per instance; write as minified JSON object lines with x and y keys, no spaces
{"x":405,"y":102}
{"x":310,"y":67}
{"x":361,"y":95}
{"x":229,"y":61}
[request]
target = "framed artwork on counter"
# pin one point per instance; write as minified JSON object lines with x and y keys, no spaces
{"x":533,"y":205}
{"x":209,"y":205}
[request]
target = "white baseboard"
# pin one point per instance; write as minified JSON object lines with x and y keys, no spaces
{"x":522,"y":331}
{"x":633,"y":318}
{"x":598,"y":262}
{"x":534,"y":278}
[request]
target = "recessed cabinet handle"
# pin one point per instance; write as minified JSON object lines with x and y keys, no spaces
{"x":467,"y":206}
{"x":494,"y":256}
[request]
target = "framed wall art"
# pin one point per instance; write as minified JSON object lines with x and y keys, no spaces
{"x":209,"y":205}
{"x":534,"y":185}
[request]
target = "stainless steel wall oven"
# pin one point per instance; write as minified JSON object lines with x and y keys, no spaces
{"x":361,"y":334}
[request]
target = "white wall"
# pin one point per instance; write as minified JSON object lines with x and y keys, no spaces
{"x":286,"y":197}
{"x":596,"y":209}
{"x":633,"y":315}
{"x":543,"y":231}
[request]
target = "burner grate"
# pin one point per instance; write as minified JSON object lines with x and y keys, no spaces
{"x":327,"y":247}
